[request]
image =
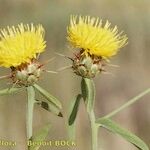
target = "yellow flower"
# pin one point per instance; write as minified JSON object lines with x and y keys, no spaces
{"x":19,"y":45}
{"x":93,"y":38}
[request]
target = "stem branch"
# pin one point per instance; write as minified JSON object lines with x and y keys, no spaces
{"x":130,"y":102}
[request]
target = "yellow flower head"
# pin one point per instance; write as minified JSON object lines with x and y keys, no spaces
{"x":20,"y":44}
{"x":93,"y":38}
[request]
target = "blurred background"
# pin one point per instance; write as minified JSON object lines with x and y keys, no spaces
{"x":131,"y":78}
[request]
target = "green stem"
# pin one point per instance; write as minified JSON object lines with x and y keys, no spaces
{"x":88,"y":93}
{"x":130,"y":102}
{"x":29,"y":112}
{"x":94,"y":131}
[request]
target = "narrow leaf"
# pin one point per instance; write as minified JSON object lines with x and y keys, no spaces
{"x":88,"y":92}
{"x":53,"y":100}
{"x":72,"y":112}
{"x":127,"y":135}
{"x":84,"y":89}
{"x":9,"y":91}
{"x":49,"y":107}
{"x":74,"y":109}
{"x":39,"y":137}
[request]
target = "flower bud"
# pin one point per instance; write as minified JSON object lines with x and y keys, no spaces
{"x":21,"y":75}
{"x":26,"y":75}
{"x":87,"y":66}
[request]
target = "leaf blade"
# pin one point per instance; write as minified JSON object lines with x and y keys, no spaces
{"x":53,"y":100}
{"x":127,"y":135}
{"x":74,"y":112}
{"x":9,"y":91}
{"x":71,"y":123}
{"x":39,"y":137}
{"x":49,"y":107}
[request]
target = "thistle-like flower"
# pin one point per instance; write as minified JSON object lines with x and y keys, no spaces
{"x":97,"y":43}
{"x":19,"y":50}
{"x":19,"y":47}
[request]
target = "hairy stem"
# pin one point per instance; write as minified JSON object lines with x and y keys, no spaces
{"x":88,"y":93}
{"x":94,"y":131}
{"x":29,"y":112}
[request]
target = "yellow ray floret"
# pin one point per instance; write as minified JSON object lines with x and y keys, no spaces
{"x":90,"y":35}
{"x":20,"y":44}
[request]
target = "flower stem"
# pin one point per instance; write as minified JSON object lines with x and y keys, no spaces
{"x":29,"y":112}
{"x":88,"y":93}
{"x":130,"y":102}
{"x":94,"y":131}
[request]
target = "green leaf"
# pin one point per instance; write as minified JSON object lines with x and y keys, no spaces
{"x":49,"y":107}
{"x":88,"y":93}
{"x":127,"y":135}
{"x":39,"y":137}
{"x":74,"y":109}
{"x":72,"y":113}
{"x":53,"y":100}
{"x":9,"y":91}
